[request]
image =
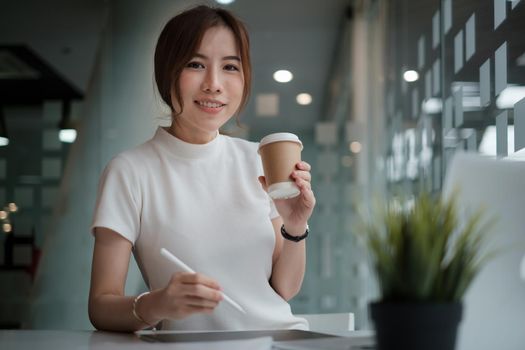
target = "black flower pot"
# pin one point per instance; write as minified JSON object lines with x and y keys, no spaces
{"x":416,"y":326}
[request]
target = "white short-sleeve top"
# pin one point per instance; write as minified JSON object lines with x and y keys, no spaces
{"x":203,"y":203}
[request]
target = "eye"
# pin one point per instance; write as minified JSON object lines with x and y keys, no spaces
{"x":195,"y":65}
{"x":231,"y":68}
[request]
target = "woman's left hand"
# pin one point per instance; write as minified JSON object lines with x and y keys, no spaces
{"x":296,"y":211}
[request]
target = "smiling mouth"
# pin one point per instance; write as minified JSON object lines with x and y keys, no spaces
{"x":208,"y":104}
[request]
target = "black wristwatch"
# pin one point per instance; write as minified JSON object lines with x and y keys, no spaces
{"x":289,"y":237}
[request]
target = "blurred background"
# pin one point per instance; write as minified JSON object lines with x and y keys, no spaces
{"x":382,"y":93}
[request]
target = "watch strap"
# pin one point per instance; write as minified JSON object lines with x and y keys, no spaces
{"x":289,"y":237}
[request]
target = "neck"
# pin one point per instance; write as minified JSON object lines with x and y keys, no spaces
{"x":190,"y":135}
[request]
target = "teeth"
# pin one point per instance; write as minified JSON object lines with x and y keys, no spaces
{"x":210,"y":104}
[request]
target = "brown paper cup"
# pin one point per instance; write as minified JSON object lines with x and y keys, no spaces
{"x":280,"y":152}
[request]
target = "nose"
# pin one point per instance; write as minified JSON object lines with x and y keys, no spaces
{"x":212,"y":81}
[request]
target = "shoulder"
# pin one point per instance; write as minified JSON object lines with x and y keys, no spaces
{"x":132,"y":159}
{"x":241,"y":145}
{"x":246,"y":154}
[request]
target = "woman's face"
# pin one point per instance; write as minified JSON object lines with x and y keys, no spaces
{"x":211,"y":86}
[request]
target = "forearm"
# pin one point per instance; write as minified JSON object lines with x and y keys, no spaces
{"x":288,"y":271}
{"x":115,"y":313}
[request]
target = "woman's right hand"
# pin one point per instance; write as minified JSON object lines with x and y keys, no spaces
{"x":186,"y":294}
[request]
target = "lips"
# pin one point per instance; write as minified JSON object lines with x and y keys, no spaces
{"x":210,"y":103}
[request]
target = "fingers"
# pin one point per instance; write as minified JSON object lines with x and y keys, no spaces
{"x":193,"y":292}
{"x":302,"y":165}
{"x":199,"y":291}
{"x":197,"y":285}
{"x":303,"y":184}
{"x":197,"y":278}
{"x":303,"y":178}
{"x":308,"y":196}
{"x":201,"y":302}
{"x":302,"y":172}
{"x":262,"y":180}
{"x":188,"y":310}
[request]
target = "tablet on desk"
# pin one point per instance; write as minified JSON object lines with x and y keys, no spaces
{"x":277,"y":335}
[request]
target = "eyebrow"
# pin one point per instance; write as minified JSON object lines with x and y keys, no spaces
{"x":225,"y":58}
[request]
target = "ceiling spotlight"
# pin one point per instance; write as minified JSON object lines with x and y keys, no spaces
{"x":355,"y":147}
{"x":67,"y":135}
{"x":304,"y":99}
{"x":283,"y":76}
{"x":12,"y":207}
{"x":224,"y":2}
{"x":410,"y":76}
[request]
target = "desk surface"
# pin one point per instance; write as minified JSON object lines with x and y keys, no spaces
{"x":53,"y":340}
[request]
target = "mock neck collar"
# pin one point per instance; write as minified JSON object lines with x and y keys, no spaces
{"x":183,"y":149}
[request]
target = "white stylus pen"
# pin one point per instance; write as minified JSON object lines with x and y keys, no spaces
{"x":165,"y":253}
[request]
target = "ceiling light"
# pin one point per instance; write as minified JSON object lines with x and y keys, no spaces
{"x":67,"y":135}
{"x":283,"y":76}
{"x":355,"y":147}
{"x":432,"y":105}
{"x":224,"y":2}
{"x":304,"y":99}
{"x":6,"y":227}
{"x":410,"y":76}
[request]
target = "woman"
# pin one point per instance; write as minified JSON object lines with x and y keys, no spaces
{"x":195,"y":192}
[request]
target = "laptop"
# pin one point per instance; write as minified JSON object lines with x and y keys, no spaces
{"x":494,"y":305}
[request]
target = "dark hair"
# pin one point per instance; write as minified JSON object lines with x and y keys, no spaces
{"x":180,"y":39}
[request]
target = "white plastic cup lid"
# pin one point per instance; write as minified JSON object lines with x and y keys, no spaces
{"x":283,"y":190}
{"x":280,"y":136}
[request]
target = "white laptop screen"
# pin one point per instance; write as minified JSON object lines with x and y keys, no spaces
{"x":494,"y":315}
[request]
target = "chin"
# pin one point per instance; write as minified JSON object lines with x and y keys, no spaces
{"x":212,"y":129}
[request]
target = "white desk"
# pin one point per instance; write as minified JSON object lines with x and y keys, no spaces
{"x":86,"y":340}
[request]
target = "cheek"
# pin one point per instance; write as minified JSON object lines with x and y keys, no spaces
{"x":174,"y":102}
{"x":185,"y":82}
{"x":237,"y":86}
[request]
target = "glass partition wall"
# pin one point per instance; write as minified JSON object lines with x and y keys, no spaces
{"x":415,"y":82}
{"x":454,"y":80}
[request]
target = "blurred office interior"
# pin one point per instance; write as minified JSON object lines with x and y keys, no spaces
{"x":384,"y":92}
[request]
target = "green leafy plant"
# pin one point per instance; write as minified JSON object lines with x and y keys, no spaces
{"x":424,"y":253}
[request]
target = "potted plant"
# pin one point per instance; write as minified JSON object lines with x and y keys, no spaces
{"x":424,"y":259}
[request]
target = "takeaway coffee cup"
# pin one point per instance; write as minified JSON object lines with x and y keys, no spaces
{"x":280,"y":152}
